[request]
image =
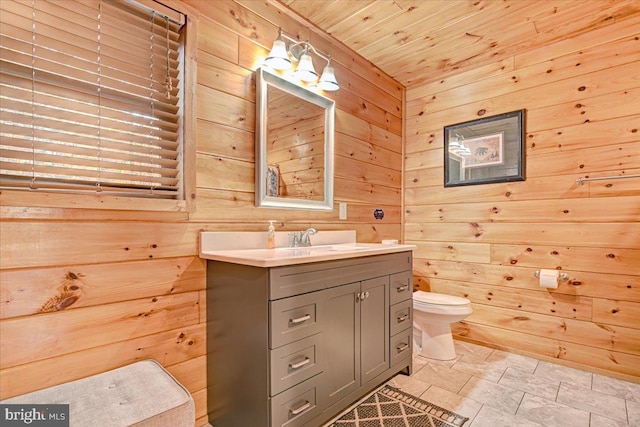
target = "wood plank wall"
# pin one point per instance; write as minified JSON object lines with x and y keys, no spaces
{"x":484,"y":242}
{"x":85,"y":290}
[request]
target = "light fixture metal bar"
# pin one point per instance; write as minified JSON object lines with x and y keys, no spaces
{"x":297,"y":42}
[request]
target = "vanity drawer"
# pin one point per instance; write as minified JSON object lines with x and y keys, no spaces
{"x":401,"y":287}
{"x":401,"y":346}
{"x":401,"y":316}
{"x":296,"y":406}
{"x":295,"y":318}
{"x":293,"y":363}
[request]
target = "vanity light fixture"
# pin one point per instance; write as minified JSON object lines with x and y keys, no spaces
{"x":280,"y":58}
{"x":305,"y":71}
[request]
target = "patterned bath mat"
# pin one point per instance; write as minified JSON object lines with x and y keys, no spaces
{"x":390,"y":407}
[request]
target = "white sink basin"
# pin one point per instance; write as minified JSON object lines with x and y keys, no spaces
{"x":342,"y":248}
{"x":248,"y":248}
{"x":348,"y":247}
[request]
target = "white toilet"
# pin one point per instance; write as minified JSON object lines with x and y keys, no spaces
{"x":433,"y":314}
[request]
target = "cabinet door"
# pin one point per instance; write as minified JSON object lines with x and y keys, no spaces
{"x":342,"y":342}
{"x":374,"y":327}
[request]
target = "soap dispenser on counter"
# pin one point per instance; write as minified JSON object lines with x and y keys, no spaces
{"x":271,"y":235}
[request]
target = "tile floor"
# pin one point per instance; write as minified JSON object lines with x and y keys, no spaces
{"x":498,"y":389}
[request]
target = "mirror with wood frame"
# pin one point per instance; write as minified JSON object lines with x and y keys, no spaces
{"x":294,"y":145}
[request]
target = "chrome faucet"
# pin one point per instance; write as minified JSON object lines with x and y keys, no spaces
{"x":301,"y":238}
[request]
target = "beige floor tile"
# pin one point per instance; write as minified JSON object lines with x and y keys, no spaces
{"x":501,"y":397}
{"x":524,"y":363}
{"x":600,"y":421}
{"x":492,"y":417}
{"x":550,"y":413}
{"x":478,"y":351}
{"x":524,"y":381}
{"x":454,"y":402}
{"x":554,"y":372}
{"x":443,"y":376}
{"x":409,"y":385}
{"x":491,"y":371}
{"x":615,"y":387}
{"x":592,"y":401}
{"x":633,"y":413}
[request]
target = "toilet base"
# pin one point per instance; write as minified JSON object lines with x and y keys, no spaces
{"x":437,"y":342}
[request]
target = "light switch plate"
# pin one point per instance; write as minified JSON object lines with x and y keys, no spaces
{"x":343,"y":211}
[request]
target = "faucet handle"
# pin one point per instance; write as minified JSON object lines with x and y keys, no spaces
{"x":295,"y":242}
{"x":304,"y":236}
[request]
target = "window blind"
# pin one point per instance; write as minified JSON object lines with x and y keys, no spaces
{"x":90,"y":98}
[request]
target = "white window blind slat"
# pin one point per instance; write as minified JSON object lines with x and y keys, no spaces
{"x":20,"y":88}
{"x":84,"y":100}
{"x":149,"y":159}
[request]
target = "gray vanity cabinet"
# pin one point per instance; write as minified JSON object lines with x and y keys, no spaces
{"x":374,"y":328}
{"x":356,"y":335}
{"x":292,"y":346}
{"x":343,"y":346}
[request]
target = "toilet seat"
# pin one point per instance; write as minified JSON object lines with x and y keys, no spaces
{"x":431,"y":302}
{"x":439,"y":299}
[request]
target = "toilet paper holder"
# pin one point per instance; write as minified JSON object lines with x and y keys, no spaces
{"x":562,"y":277}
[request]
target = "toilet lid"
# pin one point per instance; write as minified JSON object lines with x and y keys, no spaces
{"x":439,"y":299}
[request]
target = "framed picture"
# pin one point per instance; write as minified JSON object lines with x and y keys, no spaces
{"x":485,"y":151}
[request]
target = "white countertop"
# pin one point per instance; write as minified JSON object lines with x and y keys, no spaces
{"x":326,"y":246}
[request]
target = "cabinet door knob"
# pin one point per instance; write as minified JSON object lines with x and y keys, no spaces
{"x":306,"y":405}
{"x":299,"y":364}
{"x":300,"y":319}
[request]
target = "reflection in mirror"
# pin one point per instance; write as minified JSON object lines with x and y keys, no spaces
{"x":294,"y":145}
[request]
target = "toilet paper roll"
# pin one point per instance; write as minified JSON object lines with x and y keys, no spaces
{"x":548,"y":279}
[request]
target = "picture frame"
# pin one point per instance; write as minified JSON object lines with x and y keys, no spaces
{"x":484,"y":151}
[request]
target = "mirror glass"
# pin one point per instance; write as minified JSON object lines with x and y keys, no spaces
{"x":294,"y":145}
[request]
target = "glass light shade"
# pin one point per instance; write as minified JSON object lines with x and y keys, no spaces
{"x":305,"y":71}
{"x":278,"y":59}
{"x":328,"y":80}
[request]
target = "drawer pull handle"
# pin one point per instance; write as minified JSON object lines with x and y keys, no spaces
{"x":300,"y":319}
{"x":403,"y":318}
{"x":306,"y":405}
{"x":402,"y":288}
{"x":299,"y":364}
{"x":402,"y":348}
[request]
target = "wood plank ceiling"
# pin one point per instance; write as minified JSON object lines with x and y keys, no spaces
{"x":417,"y":41}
